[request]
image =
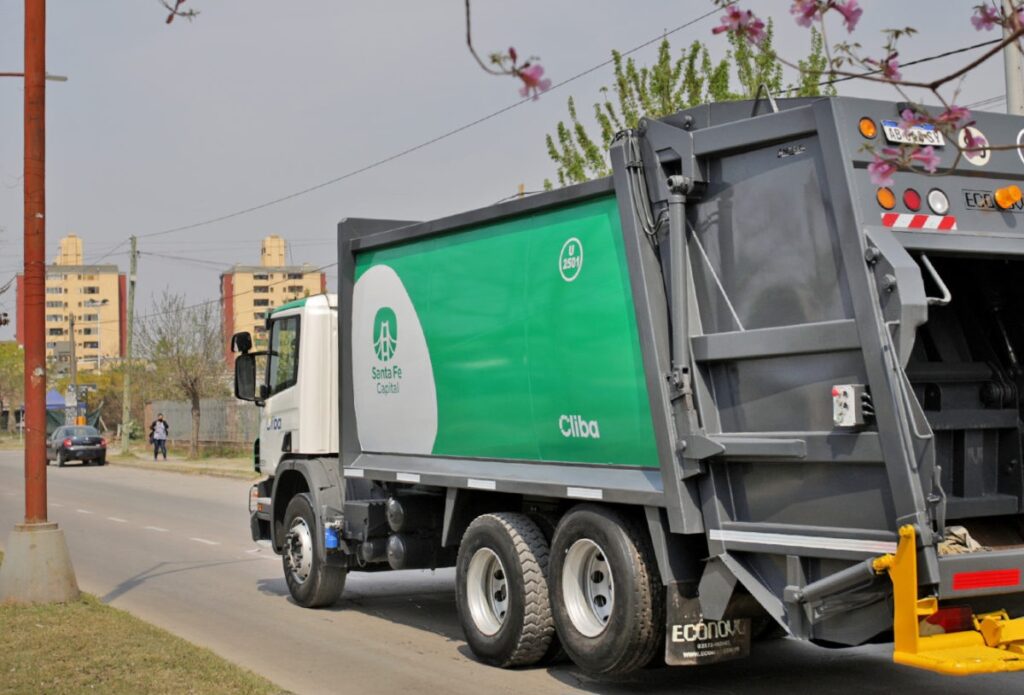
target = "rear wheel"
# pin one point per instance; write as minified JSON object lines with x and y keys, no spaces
{"x":607,"y":599}
{"x":502,"y":590}
{"x":102,"y":460}
{"x":60,"y":458}
{"x":312,"y":582}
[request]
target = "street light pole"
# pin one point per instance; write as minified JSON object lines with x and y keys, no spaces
{"x":37,"y":566}
{"x":35,"y":261}
{"x":74,"y":374}
{"x":1013,"y":66}
{"x":126,"y":395}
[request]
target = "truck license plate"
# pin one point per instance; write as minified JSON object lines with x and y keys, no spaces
{"x":924,"y":134}
{"x":691,"y":640}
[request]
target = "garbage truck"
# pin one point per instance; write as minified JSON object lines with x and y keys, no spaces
{"x":736,"y":387}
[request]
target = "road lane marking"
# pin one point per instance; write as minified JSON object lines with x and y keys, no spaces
{"x":254,"y":550}
{"x":156,"y":528}
{"x":203,"y":540}
{"x":83,"y":511}
{"x":54,"y":504}
{"x":114,"y":518}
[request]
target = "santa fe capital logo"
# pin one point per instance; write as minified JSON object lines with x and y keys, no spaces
{"x":385,"y":333}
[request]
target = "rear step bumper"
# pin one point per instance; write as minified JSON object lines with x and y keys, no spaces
{"x":981,"y":574}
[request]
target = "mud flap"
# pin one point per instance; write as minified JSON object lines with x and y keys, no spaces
{"x":690,"y":640}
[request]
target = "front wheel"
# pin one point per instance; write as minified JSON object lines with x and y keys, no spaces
{"x":312,"y":582}
{"x":606,"y":594}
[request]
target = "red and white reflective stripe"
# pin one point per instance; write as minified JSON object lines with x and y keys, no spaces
{"x":943,"y":223}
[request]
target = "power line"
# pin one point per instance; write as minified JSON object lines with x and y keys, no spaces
{"x":427,"y":143}
{"x":494,"y":114}
{"x":927,"y":59}
{"x":218,"y":300}
{"x":987,"y":102}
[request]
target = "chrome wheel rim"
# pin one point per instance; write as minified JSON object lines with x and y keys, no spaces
{"x":487,"y":591}
{"x":588,"y":590}
{"x":299,"y":550}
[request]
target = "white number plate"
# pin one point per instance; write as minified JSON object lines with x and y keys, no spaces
{"x":924,"y":134}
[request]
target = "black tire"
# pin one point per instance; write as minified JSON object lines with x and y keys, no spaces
{"x":101,"y":461}
{"x":60,"y":459}
{"x":525,"y":630}
{"x":322,"y":584}
{"x":555,"y":653}
{"x":633,"y":631}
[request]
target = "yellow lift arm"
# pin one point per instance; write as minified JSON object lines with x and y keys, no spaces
{"x":995,"y":645}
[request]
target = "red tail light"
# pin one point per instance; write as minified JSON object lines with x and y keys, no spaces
{"x":912,"y":199}
{"x":949,"y":619}
{"x":68,"y":442}
{"x":103,"y":441}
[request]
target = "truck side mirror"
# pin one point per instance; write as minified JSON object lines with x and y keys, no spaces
{"x":245,"y":377}
{"x":241,"y":342}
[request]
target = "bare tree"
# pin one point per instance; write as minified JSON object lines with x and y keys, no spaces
{"x":184,"y":344}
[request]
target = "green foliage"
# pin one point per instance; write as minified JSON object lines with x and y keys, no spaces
{"x":670,"y":85}
{"x":12,"y":375}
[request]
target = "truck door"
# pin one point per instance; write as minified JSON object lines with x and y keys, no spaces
{"x":281,"y":411}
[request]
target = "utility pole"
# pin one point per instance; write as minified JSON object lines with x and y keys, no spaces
{"x":37,"y":566}
{"x":126,"y":395}
{"x":1014,"y":68}
{"x":72,"y":412}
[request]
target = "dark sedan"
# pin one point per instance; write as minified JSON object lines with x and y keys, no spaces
{"x":77,"y":443}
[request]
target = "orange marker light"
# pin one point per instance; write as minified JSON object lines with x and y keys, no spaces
{"x":1008,"y":196}
{"x":867,"y":128}
{"x":886,"y":198}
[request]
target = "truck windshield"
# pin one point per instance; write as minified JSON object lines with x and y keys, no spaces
{"x":283,"y":362}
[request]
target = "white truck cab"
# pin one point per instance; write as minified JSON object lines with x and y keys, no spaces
{"x":296,"y":383}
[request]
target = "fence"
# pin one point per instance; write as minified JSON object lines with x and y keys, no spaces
{"x":220,"y":422}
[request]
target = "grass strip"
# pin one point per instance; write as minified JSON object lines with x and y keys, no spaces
{"x":86,"y":646}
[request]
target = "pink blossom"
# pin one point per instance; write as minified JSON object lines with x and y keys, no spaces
{"x":881,"y":171}
{"x":890,"y":67}
{"x":909,"y":119}
{"x":957,"y":115}
{"x":851,"y":13}
{"x":741,"y":23}
{"x":986,"y":17}
{"x":927,"y":157}
{"x":974,"y":142}
{"x":806,"y":11}
{"x":534,"y":81}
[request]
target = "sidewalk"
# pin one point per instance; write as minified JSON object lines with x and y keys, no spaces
{"x":224,"y":467}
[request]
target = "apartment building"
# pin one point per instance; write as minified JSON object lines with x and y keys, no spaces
{"x":249,"y":292}
{"x":92,"y":298}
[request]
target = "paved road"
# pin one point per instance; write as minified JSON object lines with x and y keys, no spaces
{"x":175,"y":550}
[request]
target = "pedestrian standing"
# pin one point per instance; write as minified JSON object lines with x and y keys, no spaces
{"x":158,"y":432}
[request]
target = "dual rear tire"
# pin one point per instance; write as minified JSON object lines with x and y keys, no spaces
{"x":594,"y":592}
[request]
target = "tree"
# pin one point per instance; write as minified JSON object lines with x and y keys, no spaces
{"x":12,"y":374}
{"x":184,"y":344}
{"x":668,"y":86}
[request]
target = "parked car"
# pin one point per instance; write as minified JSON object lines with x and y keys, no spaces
{"x":76,"y":443}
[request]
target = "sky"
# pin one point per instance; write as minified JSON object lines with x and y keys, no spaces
{"x":161,"y":126}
